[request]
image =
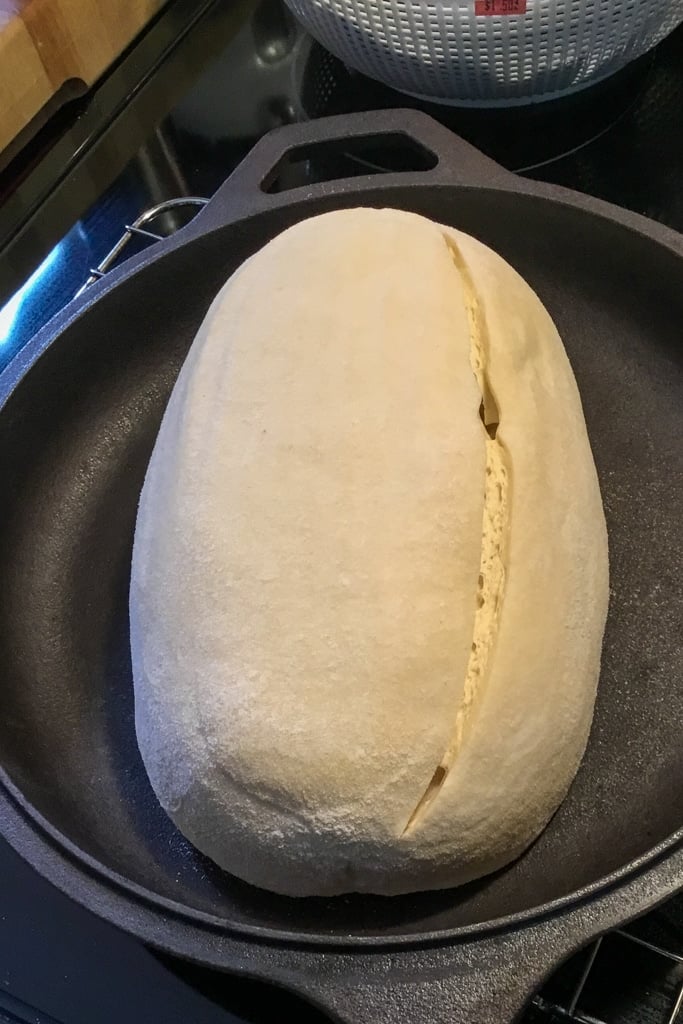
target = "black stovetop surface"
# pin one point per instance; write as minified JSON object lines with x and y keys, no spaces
{"x":174,"y":121}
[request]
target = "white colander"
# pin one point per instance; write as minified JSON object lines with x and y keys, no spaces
{"x":485,"y":52}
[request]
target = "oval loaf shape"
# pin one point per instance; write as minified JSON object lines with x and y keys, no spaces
{"x":370,"y":575}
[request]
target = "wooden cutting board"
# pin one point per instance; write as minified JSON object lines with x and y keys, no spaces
{"x":50,"y":48}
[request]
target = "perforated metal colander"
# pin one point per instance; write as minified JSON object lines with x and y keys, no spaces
{"x":485,"y":52}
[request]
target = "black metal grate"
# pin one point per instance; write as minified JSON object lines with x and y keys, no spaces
{"x":620,"y":979}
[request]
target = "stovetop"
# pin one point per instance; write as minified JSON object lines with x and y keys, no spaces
{"x":171,"y":120}
{"x":209,"y":78}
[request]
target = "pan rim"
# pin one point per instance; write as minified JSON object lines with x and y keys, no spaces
{"x":56,"y":845}
{"x":23,"y":361}
{"x":54,"y":841}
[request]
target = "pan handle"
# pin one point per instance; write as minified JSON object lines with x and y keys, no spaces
{"x":488,"y":981}
{"x":485,"y":979}
{"x":248,"y":190}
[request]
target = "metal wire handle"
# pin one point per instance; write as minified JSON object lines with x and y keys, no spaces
{"x":139,"y":229}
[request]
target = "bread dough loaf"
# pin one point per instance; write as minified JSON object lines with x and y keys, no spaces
{"x":369,"y":579}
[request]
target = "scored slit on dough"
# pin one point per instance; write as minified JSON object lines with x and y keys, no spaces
{"x":491,"y":580}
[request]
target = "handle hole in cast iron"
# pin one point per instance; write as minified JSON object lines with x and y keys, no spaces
{"x":347,"y":158}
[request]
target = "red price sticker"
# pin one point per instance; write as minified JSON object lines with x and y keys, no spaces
{"x":500,"y":6}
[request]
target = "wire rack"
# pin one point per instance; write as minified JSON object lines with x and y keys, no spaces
{"x":620,"y":979}
{"x":632,"y":976}
{"x":165,"y":214}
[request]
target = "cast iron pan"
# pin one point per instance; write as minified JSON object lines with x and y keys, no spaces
{"x":80,"y":407}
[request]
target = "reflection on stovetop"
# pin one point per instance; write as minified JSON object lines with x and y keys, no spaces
{"x":521,"y":138}
{"x":251,"y":1002}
